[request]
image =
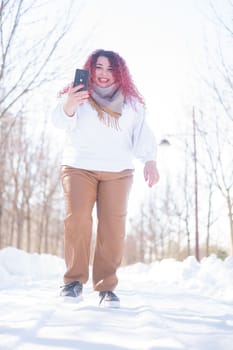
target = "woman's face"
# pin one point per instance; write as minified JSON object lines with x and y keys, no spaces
{"x":103,"y":76}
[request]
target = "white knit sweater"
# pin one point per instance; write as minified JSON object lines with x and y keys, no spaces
{"x":92,"y":145}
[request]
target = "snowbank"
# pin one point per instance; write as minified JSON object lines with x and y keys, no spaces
{"x":211,"y":277}
{"x":18,"y":267}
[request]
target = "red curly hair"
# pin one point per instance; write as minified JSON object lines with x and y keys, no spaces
{"x":120,"y":72}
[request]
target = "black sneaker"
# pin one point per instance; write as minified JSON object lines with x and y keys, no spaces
{"x":72,"y":290}
{"x":109,"y":299}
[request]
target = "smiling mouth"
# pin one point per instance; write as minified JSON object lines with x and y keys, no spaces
{"x":103,"y":80}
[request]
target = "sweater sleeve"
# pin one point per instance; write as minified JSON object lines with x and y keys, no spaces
{"x":144,"y":142}
{"x":60,"y":119}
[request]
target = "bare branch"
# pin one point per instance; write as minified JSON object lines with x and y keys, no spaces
{"x":220,"y":19}
{"x":31,"y":73}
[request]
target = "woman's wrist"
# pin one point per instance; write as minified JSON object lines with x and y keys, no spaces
{"x":152,"y":161}
{"x":69,"y":111}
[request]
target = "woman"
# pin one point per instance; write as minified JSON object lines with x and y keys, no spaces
{"x":106,"y":130}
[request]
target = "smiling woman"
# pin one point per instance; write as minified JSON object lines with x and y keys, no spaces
{"x":106,"y":129}
{"x":108,"y":67}
{"x":103,"y":72}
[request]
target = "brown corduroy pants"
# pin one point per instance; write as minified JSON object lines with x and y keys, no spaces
{"x":110,"y":191}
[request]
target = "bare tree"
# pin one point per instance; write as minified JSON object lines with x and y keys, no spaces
{"x":27,"y":45}
{"x":219,"y":171}
{"x":30,"y":216}
{"x":217,"y":135}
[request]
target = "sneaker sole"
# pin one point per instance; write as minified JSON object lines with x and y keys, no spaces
{"x":111,"y":304}
{"x":74,"y":300}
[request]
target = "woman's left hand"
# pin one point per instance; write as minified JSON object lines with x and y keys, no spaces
{"x":151,"y":173}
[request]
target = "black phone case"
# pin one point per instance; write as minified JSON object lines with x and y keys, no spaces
{"x":81,"y":77}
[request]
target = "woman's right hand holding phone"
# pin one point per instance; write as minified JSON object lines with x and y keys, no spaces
{"x":74,"y":99}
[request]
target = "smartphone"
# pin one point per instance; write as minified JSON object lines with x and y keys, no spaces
{"x":81,"y":77}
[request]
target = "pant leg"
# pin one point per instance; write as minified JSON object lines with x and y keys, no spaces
{"x":79,"y":188}
{"x":112,"y":200}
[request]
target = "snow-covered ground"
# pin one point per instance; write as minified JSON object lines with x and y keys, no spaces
{"x":166,"y":305}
